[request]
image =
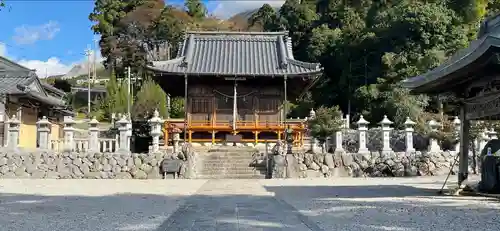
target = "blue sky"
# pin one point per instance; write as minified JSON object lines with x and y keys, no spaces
{"x":51,"y":35}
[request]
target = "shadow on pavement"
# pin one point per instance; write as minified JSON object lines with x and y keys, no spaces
{"x":388,"y":207}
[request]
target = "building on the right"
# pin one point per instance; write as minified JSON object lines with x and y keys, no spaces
{"x":471,"y":75}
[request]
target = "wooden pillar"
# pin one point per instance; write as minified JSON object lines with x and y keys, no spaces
{"x":463,"y":167}
{"x":279,"y":135}
{"x":300,"y":139}
{"x":214,"y":115}
{"x":256,"y":137}
{"x":165,"y":134}
{"x":190,"y":137}
{"x":213,"y":137}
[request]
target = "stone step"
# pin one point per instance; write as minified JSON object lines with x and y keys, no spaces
{"x":228,"y":176}
{"x":219,"y":168}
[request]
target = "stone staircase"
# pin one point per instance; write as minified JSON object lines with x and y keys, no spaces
{"x":230,"y":163}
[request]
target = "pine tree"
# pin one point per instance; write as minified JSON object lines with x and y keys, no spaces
{"x":150,"y":97}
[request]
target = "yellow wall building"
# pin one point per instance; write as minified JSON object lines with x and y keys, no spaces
{"x":23,"y":95}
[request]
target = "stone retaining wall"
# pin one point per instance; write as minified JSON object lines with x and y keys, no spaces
{"x":42,"y":164}
{"x":373,"y":164}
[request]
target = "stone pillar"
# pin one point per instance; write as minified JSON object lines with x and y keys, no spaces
{"x":155,"y":124}
{"x":43,"y":130}
{"x":14,"y":127}
{"x":433,"y":142}
{"x":123,"y":130}
{"x":409,"y":135}
{"x":338,"y":141}
{"x":456,"y":124}
{"x":129,"y":132}
{"x":362,"y":129}
{"x":69,"y":134}
{"x":94,"y":145}
{"x":492,"y":134}
{"x":386,"y":135}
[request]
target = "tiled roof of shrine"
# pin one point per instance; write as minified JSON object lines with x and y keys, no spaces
{"x":237,"y":54}
{"x":454,"y":70}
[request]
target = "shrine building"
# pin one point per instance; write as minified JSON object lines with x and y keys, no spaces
{"x":258,"y":69}
{"x":472,"y":77}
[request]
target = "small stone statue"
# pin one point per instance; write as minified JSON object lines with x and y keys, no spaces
{"x":289,"y":139}
{"x":279,"y":148}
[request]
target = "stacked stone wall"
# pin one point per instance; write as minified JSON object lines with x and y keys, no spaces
{"x":72,"y":165}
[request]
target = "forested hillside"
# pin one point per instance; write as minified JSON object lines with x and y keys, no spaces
{"x":365,"y":46}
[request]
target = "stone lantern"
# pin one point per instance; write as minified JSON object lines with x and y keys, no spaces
{"x":176,"y":138}
{"x":433,"y":142}
{"x":456,"y":125}
{"x":155,"y":124}
{"x":492,"y":134}
{"x":13,"y":129}
{"x":123,"y":130}
{"x":94,"y":135}
{"x":314,"y":142}
{"x":362,"y":129}
{"x":386,"y":131}
{"x":43,"y":129}
{"x":409,"y":135}
{"x":69,"y":133}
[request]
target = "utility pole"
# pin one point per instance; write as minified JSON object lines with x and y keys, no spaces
{"x":88,"y":52}
{"x":128,"y":92}
{"x":94,"y":64}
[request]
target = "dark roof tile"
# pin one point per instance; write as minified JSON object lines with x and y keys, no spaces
{"x":236,"y":53}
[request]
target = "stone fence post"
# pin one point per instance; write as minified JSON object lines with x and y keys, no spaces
{"x":14,"y":127}
{"x":456,"y":125}
{"x":155,"y":124}
{"x":94,"y":135}
{"x":409,"y":135}
{"x":43,"y":130}
{"x":386,"y":135}
{"x":123,"y":129}
{"x":433,"y":142}
{"x":69,"y":134}
{"x":362,"y":129}
{"x":339,"y":140}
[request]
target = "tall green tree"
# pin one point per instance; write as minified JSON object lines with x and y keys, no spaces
{"x":267,"y":18}
{"x":150,"y":97}
{"x":195,"y":9}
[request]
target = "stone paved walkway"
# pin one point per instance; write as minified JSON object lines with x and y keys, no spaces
{"x":377,"y":204}
{"x":222,"y":206}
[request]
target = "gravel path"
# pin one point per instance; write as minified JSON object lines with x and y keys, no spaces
{"x":196,"y":205}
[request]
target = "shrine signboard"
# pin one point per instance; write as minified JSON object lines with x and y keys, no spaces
{"x":486,"y":108}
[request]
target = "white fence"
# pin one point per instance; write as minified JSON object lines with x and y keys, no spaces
{"x":82,"y":145}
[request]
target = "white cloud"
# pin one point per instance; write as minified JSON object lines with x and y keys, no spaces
{"x":226,"y":9}
{"x":30,"y":34}
{"x":52,"y":66}
{"x":3,"y":49}
{"x":49,"y":67}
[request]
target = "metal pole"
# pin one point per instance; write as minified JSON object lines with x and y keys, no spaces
{"x":285,"y":108}
{"x":88,"y":53}
{"x":235,"y":95}
{"x":128,"y":92}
